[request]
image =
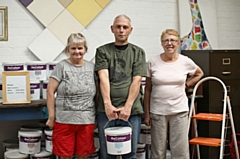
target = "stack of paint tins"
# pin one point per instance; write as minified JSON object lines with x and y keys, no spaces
{"x":145,"y":138}
{"x":141,"y":151}
{"x":39,"y":74}
{"x":30,"y":145}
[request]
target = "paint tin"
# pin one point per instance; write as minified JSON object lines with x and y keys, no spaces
{"x":37,"y":70}
{"x":118,"y":140}
{"x":13,"y":66}
{"x":48,"y":139}
{"x":35,"y":90}
{"x":14,"y":154}
{"x":29,"y":141}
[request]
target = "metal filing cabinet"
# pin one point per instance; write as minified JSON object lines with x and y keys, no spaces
{"x":224,"y":64}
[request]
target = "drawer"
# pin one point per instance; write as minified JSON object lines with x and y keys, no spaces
{"x":236,"y":118}
{"x":225,"y":65}
{"x":216,"y":93}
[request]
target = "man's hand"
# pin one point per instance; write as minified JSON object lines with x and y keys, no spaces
{"x":124,"y":112}
{"x":111,"y":112}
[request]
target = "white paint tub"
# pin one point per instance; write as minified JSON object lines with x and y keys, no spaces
{"x":96,"y":139}
{"x":35,"y":90}
{"x":37,"y":70}
{"x":13,"y":66}
{"x":141,"y":151}
{"x":94,"y":155}
{"x":14,"y":154}
{"x":48,"y":139}
{"x":118,"y":140}
{"x":9,"y":148}
{"x":145,"y":134}
{"x":29,"y":141}
{"x":42,"y":155}
{"x":44,"y":89}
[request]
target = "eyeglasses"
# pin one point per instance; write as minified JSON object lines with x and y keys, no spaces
{"x":172,"y":41}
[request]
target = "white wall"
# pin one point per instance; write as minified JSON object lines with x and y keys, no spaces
{"x":149,"y":19}
{"x":228,"y":24}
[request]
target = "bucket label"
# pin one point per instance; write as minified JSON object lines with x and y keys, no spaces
{"x":145,"y":131}
{"x":14,"y":68}
{"x":122,"y":138}
{"x":36,"y":67}
{"x":45,"y":85}
{"x":51,"y":67}
{"x":143,"y":83}
{"x":48,"y":137}
{"x":30,"y":139}
{"x":140,"y":150}
{"x":35,"y":86}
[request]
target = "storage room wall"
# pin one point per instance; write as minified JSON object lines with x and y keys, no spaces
{"x":149,"y":19}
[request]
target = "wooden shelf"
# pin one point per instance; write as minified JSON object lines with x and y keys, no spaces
{"x":26,"y":111}
{"x":34,"y":103}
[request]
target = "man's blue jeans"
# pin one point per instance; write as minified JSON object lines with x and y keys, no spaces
{"x":134,"y":120}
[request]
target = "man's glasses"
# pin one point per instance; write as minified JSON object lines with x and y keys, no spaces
{"x":172,"y":41}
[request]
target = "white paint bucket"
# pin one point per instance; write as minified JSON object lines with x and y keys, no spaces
{"x":44,"y":89}
{"x":14,"y":154}
{"x":141,"y":151}
{"x":42,"y":155}
{"x":50,"y":67}
{"x":33,"y":127}
{"x":35,"y":90}
{"x":48,"y":140}
{"x":29,"y":141}
{"x":96,"y":139}
{"x":9,"y":148}
{"x":145,"y":134}
{"x":118,"y":140}
{"x":13,"y":66}
{"x":37,"y":70}
{"x":94,"y":155}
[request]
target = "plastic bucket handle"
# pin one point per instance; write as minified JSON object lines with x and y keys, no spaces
{"x":118,"y":119}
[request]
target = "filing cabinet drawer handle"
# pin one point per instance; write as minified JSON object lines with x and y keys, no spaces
{"x":226,"y":61}
{"x":228,"y":88}
{"x":226,"y":73}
